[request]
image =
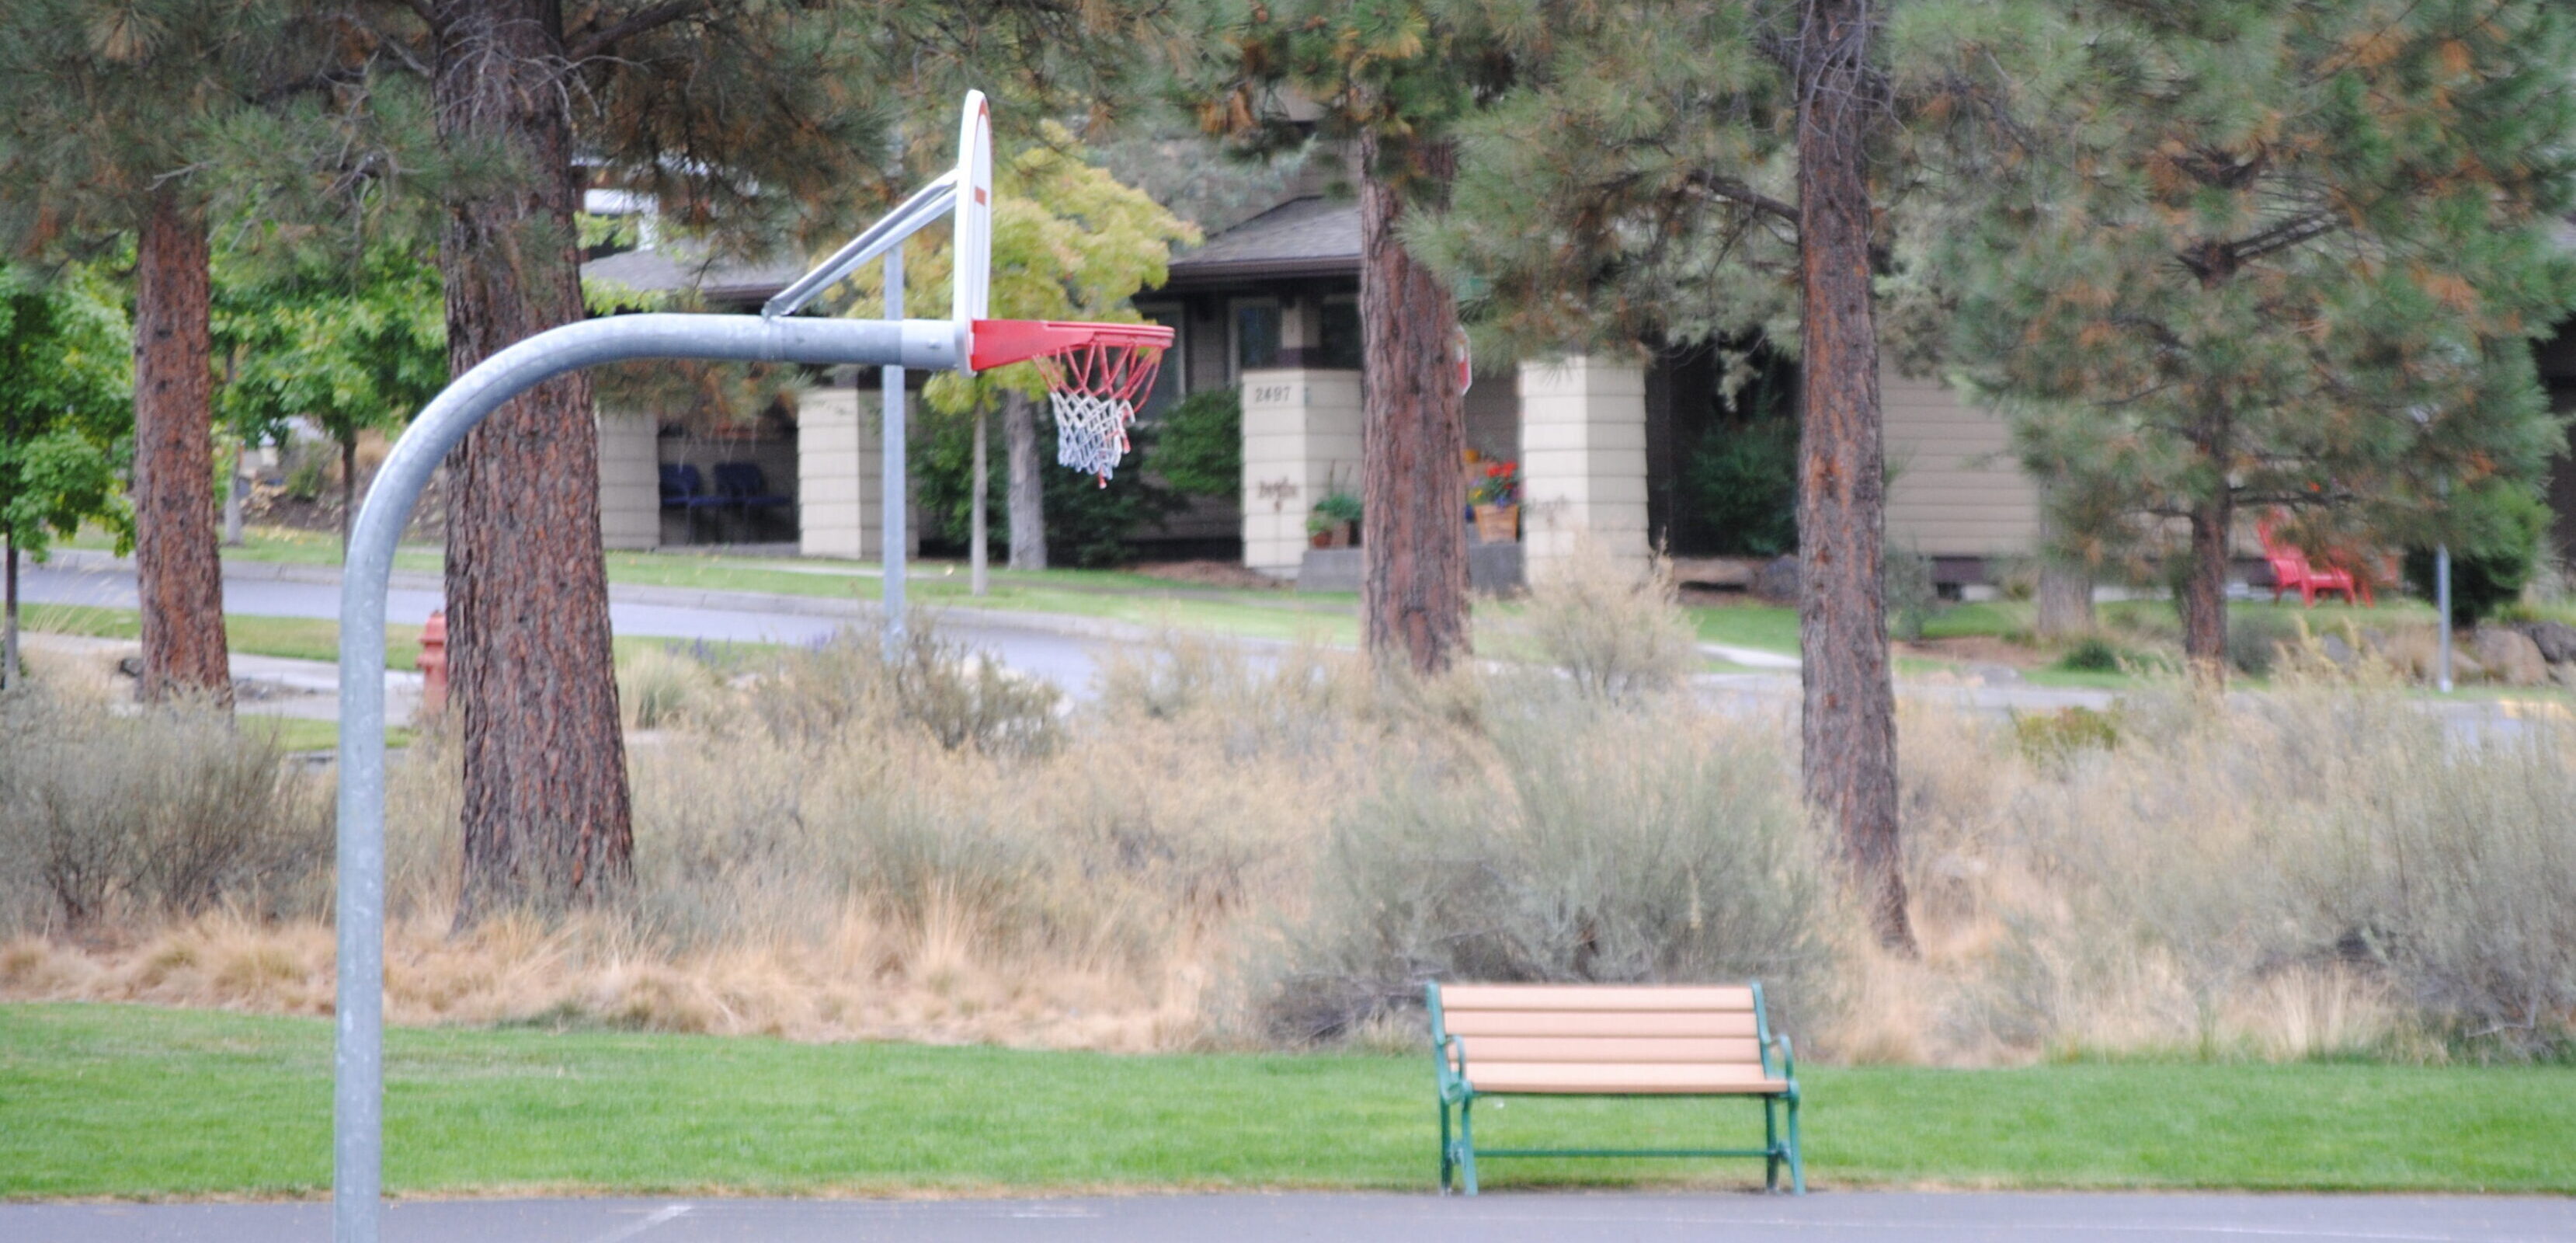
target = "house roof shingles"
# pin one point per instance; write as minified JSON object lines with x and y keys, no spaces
{"x":668,"y":270}
{"x":1301,"y":237}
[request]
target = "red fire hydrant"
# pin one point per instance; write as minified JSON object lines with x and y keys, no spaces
{"x":433,"y":664}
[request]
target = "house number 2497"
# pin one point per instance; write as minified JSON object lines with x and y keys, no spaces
{"x":1274,"y":394}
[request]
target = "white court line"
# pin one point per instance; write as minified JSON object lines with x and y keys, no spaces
{"x":648,"y":1221}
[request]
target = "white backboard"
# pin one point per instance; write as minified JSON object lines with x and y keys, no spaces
{"x":970,"y":280}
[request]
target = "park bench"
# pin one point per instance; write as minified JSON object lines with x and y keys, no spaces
{"x":1610,"y":1040}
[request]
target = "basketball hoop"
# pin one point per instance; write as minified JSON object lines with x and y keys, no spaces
{"x":1095,"y":373}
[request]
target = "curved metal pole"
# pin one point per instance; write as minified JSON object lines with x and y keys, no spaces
{"x":357,"y":1106}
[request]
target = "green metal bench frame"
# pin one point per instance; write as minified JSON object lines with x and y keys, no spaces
{"x":1458,"y":1151}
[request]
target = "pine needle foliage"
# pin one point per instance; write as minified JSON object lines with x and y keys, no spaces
{"x":2242,"y":256}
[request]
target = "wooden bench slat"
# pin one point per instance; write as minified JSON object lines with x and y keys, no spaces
{"x":1603,"y":1049}
{"x":1454,"y":997}
{"x":1656,"y":1078}
{"x":1579,"y":1023}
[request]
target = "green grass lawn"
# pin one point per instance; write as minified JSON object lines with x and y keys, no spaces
{"x":296,"y":638}
{"x":131,"y":1101}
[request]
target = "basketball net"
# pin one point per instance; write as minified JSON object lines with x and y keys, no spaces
{"x":1093,"y":389}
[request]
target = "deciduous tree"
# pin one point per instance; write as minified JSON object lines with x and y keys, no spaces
{"x":1069,"y":242}
{"x":66,"y":419}
{"x":354,"y":345}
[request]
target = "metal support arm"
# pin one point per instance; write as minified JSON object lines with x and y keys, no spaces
{"x":357,"y":1154}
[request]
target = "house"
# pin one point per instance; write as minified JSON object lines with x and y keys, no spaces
{"x":1270,"y":306}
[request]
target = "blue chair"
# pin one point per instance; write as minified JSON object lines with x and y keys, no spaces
{"x":740,"y":484}
{"x":684,"y":489}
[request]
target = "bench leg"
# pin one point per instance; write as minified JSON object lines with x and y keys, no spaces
{"x":1467,"y":1142}
{"x":1448,"y":1162}
{"x":1770,"y":1144}
{"x":1797,"y":1159}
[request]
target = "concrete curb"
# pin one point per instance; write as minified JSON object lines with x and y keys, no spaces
{"x":849,"y":608}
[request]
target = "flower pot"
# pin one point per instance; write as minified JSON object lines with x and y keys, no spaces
{"x":1498,"y":524}
{"x":1337,"y":535}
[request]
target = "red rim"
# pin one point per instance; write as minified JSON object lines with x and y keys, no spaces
{"x":1001,"y":342}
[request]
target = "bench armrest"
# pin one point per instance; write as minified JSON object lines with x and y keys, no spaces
{"x":1452,"y":1059}
{"x":1788,"y":1062}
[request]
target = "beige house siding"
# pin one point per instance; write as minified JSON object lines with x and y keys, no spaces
{"x":1958,"y":492}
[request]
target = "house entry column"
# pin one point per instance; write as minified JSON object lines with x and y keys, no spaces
{"x":1583,"y":462}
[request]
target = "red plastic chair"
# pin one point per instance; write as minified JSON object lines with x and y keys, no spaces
{"x":2291,"y":572}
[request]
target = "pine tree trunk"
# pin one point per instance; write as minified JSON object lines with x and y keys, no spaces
{"x":1413,"y":545}
{"x":178,"y":570}
{"x":2204,"y":591}
{"x":2065,"y":600}
{"x":547,"y":818}
{"x":1848,"y":731}
{"x":2065,"y":597}
{"x":1025,"y":502}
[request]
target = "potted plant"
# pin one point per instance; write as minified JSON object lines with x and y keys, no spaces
{"x":1335,"y":521}
{"x":1496,"y":497}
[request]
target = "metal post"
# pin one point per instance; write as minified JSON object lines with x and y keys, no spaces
{"x":895,"y":500}
{"x":357,"y":1099}
{"x":2442,"y":603}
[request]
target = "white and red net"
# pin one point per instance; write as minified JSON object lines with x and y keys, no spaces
{"x":1095,"y":375}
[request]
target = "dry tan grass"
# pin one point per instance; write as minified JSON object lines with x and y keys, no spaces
{"x":838,"y":849}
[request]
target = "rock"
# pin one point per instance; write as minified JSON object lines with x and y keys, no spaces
{"x":2564,"y":675}
{"x":2510,"y":655}
{"x":2337,"y":651}
{"x":1777,"y":581}
{"x":131,"y":666}
{"x":2556,"y":640}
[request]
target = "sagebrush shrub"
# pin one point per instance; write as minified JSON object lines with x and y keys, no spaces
{"x":167,"y":811}
{"x":1559,"y":843}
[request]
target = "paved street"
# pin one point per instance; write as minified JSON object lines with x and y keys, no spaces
{"x":1063,"y":658}
{"x":1868,"y":1217}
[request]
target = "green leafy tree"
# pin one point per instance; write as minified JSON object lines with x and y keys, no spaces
{"x":1070,"y":241}
{"x":1394,"y":79}
{"x":352,"y":346}
{"x":2273,"y":255}
{"x":65,"y":419}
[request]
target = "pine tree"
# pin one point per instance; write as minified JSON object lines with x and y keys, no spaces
{"x":1393,"y":78}
{"x":745,"y":122}
{"x":1692,"y":172}
{"x":109,"y":114}
{"x":2273,"y":255}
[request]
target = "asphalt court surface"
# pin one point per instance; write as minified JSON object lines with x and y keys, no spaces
{"x":1858,"y":1217}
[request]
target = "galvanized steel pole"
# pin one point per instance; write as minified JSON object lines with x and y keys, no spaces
{"x":357,"y":1106}
{"x":893,"y":473}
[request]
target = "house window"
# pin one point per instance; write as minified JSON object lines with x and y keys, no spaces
{"x":1256,"y":333}
{"x":1339,"y":330}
